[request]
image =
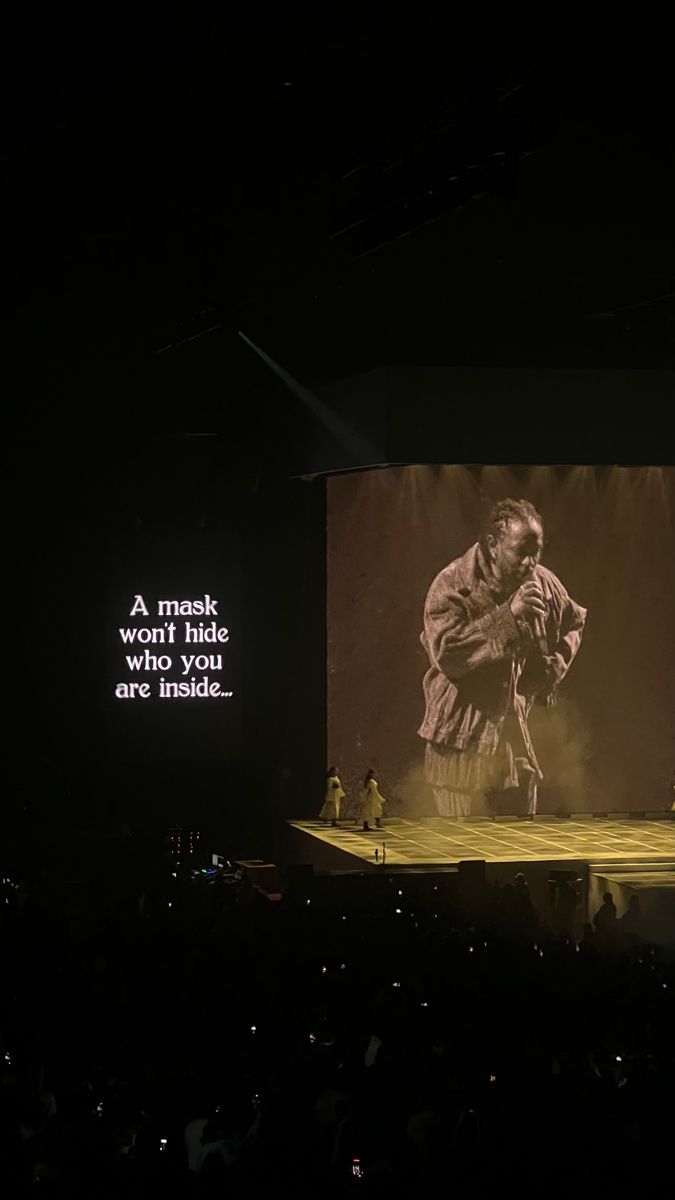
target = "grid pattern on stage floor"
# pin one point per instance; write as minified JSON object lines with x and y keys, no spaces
{"x":443,"y":840}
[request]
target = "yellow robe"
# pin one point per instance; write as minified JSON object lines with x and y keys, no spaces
{"x":372,"y":803}
{"x":331,"y":804}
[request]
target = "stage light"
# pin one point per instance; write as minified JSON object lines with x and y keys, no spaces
{"x":423,"y":1004}
{"x":254,"y":1028}
{"x":342,"y":966}
{"x":323,"y":970}
{"x":323,"y":413}
{"x":400,"y":892}
{"x":398,"y":912}
{"x":397,"y":985}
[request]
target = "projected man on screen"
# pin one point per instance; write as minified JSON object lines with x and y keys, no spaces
{"x":500,"y":631}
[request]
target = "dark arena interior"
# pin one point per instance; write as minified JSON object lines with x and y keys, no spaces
{"x":338,"y":841}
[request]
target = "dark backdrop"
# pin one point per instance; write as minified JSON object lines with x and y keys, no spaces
{"x":76,"y":497}
{"x":93,"y":518}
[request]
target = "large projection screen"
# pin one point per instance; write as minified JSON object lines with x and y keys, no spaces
{"x":602,"y":732}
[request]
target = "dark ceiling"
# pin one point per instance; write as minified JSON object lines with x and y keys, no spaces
{"x":350,"y":189}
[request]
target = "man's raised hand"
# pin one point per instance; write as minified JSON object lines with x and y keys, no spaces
{"x":528,"y":601}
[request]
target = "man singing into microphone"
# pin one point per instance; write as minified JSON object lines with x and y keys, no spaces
{"x":500,"y":632}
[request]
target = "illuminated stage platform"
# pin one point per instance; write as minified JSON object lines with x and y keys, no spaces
{"x":437,"y":841}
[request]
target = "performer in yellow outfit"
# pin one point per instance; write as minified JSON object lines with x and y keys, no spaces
{"x":372,"y":803}
{"x":334,"y":794}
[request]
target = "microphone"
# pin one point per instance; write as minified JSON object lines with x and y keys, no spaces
{"x":537,"y":623}
{"x":539,"y":632}
{"x":539,"y":629}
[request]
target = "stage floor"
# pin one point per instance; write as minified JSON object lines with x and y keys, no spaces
{"x":439,"y":840}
